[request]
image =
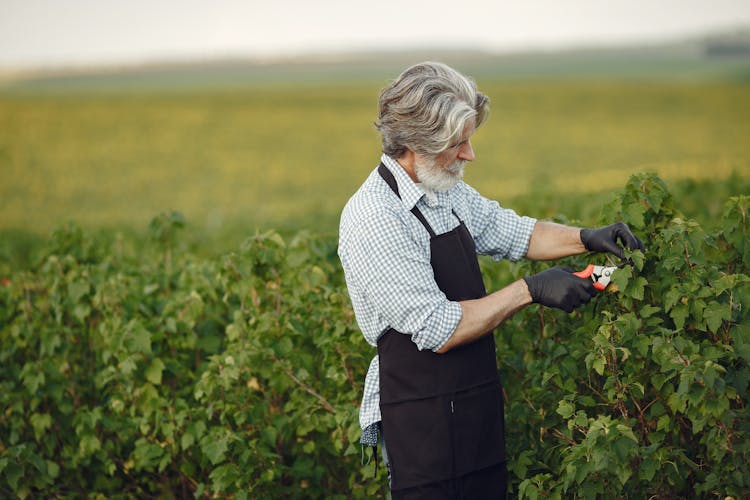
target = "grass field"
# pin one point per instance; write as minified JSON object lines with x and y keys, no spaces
{"x":289,"y":157}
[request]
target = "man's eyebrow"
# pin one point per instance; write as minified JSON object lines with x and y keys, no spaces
{"x":462,"y":141}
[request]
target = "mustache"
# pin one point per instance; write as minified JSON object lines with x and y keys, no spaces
{"x":456,"y":167}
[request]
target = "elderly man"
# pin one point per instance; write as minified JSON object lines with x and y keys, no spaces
{"x":409,"y":239}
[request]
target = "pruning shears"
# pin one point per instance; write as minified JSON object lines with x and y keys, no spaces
{"x":600,"y":275}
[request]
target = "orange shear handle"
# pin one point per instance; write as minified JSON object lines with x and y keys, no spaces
{"x":586,"y":273}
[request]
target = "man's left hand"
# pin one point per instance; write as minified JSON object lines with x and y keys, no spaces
{"x":605,"y":239}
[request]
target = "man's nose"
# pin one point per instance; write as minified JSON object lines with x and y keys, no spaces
{"x":466,"y":152}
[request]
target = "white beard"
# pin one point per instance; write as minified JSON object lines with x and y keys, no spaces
{"x":439,"y":179}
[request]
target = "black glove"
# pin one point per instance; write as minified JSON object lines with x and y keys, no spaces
{"x":605,"y":239}
{"x":559,"y":287}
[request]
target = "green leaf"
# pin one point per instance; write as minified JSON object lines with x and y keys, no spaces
{"x":224,"y":477}
{"x":672,"y":297}
{"x":623,"y":474}
{"x":88,"y":444}
{"x":41,"y":422}
{"x":621,"y":277}
{"x":154,"y":371}
{"x":679,"y":314}
{"x":186,"y":441}
{"x":13,"y":473}
{"x":127,"y":366}
{"x":565,"y":409}
{"x":285,"y":346}
{"x":138,"y":339}
{"x":309,"y":447}
{"x":81,"y":312}
{"x":740,"y":335}
{"x":633,"y":215}
{"x":32,"y":377}
{"x":214,"y":449}
{"x":648,"y":310}
{"x":521,"y":464}
{"x":648,"y":469}
{"x":641,"y":344}
{"x":233,"y":332}
{"x":581,"y":419}
{"x":627,"y":432}
{"x":636,"y":257}
{"x":676,"y":402}
{"x":269,"y":435}
{"x":636,"y":287}
{"x":147,"y":455}
{"x":640,"y":387}
{"x":598,"y":365}
{"x":715,"y":314}
{"x":77,"y":289}
{"x":53,"y":470}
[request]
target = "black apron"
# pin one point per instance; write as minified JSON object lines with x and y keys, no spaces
{"x":442,"y":414}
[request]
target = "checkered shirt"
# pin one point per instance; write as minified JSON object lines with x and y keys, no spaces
{"x":385,"y":254}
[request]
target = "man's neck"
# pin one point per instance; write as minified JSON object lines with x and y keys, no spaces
{"x":407,"y":161}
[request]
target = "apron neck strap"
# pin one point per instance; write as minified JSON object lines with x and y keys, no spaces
{"x":387,"y":176}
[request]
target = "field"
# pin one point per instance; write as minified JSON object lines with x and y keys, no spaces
{"x":174,"y":320}
{"x":265,"y":157}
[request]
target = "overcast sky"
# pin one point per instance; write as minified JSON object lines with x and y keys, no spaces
{"x":83,"y":32}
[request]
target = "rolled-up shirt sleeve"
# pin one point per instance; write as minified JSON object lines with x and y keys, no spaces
{"x":498,"y":232}
{"x":392,"y":274}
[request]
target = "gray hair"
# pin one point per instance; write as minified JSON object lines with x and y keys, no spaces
{"x":426,"y":109}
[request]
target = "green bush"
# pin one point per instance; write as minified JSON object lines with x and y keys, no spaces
{"x":163,"y":372}
{"x":642,"y":394}
{"x":155,"y":372}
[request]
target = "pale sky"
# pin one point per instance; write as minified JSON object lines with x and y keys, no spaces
{"x":85,"y":32}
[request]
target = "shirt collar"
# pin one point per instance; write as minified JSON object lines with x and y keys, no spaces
{"x":410,"y":191}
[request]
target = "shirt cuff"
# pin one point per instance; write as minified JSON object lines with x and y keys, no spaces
{"x":440,"y":328}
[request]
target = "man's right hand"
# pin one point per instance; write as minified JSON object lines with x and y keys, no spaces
{"x":605,"y":239}
{"x":559,"y":287}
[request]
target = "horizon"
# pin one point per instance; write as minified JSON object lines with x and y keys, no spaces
{"x":356,"y":55}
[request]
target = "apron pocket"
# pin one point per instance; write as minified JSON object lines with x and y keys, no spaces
{"x":417,"y":437}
